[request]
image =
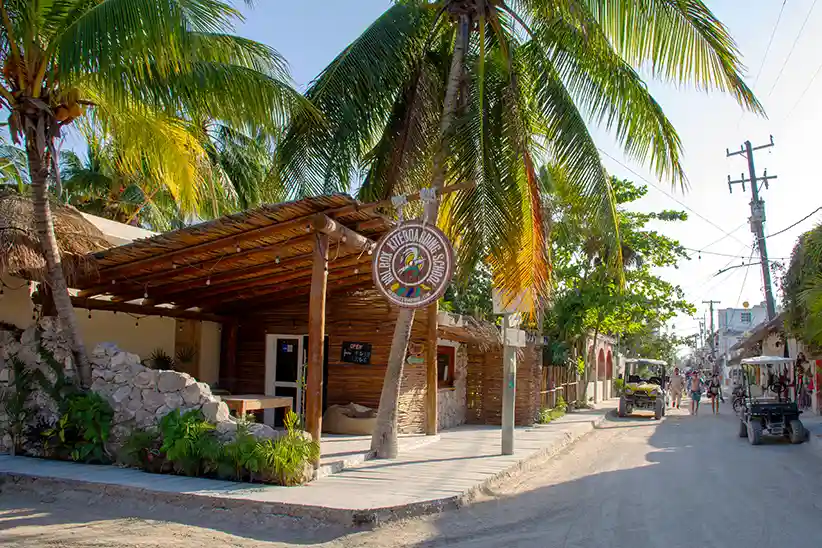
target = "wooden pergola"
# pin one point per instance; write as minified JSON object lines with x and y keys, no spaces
{"x":214,"y":270}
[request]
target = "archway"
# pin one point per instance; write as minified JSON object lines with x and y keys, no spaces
{"x":609,"y":366}
{"x":601,"y":365}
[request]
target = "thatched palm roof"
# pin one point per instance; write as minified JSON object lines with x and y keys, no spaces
{"x":20,"y":253}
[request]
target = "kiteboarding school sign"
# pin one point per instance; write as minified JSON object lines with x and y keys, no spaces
{"x":413,"y":264}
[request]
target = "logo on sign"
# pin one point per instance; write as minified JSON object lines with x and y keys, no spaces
{"x":413,"y":264}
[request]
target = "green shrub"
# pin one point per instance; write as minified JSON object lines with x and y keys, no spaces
{"x":240,"y":459}
{"x":189,"y":443}
{"x":286,"y":460}
{"x":15,"y":403}
{"x":619,"y":385}
{"x":83,"y":429}
{"x":142,"y":450}
{"x":562,"y":405}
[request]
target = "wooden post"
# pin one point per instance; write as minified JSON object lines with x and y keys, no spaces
{"x":431,"y":371}
{"x":316,"y":337}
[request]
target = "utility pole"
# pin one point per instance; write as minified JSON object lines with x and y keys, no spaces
{"x":757,"y":219}
{"x":711,"y":304}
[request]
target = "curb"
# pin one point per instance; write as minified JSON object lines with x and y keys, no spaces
{"x":52,"y":487}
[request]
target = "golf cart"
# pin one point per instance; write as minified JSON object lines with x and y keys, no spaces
{"x":643,"y":390}
{"x":768,"y":404}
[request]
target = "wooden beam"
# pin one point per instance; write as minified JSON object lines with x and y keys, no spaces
{"x":167,"y":258}
{"x":199,"y":267}
{"x":431,"y":376}
{"x":316,"y":338}
{"x":326,"y":225}
{"x":187,"y":297}
{"x":99,"y":304}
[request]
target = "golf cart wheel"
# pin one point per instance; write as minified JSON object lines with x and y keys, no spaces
{"x":755,"y":432}
{"x":743,"y":429}
{"x":659,"y":410}
{"x":797,"y":431}
{"x":623,"y":406}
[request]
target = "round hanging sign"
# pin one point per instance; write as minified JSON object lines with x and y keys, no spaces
{"x":413,"y":264}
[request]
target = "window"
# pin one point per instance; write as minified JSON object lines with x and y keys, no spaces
{"x":446,"y":365}
{"x":745,"y":317}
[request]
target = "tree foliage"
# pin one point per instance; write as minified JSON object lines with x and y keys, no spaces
{"x":802,"y":289}
{"x":593,"y":296}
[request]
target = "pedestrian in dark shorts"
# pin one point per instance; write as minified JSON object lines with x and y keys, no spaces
{"x":714,"y":392}
{"x":695,"y":391}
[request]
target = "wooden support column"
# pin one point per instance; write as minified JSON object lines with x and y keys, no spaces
{"x":431,"y":376}
{"x":316,"y":337}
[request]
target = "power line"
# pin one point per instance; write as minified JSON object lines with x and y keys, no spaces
{"x":683,"y":204}
{"x":802,"y":95}
{"x":793,"y":46}
{"x":745,"y":279}
{"x":770,"y":43}
{"x":725,"y":236}
{"x":806,"y":217}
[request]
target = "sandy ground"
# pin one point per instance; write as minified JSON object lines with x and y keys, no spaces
{"x":680,"y":483}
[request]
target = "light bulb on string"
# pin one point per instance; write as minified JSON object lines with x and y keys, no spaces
{"x":208,"y":281}
{"x":277,"y":259}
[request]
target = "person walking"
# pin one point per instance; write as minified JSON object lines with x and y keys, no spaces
{"x":676,"y":387}
{"x":715,"y":392}
{"x":695,"y":391}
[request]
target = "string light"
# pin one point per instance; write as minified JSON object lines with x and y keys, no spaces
{"x":89,"y":314}
{"x":277,"y":260}
{"x":208,"y":281}
{"x":238,"y":248}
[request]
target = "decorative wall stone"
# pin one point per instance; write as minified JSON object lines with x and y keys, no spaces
{"x":139,"y":396}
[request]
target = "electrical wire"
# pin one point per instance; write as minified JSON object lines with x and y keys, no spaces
{"x":770,"y":43}
{"x":793,"y":46}
{"x":806,"y":217}
{"x":802,"y":95}
{"x":745,"y":279}
{"x":683,"y":204}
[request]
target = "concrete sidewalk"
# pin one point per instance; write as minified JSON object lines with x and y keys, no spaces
{"x":426,"y":479}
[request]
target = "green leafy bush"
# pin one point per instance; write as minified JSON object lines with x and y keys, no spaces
{"x":14,"y":398}
{"x":619,"y":385}
{"x":83,"y":429}
{"x":142,"y":450}
{"x":287,"y":461}
{"x":240,"y":459}
{"x":189,"y":443}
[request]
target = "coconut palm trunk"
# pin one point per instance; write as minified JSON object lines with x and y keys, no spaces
{"x":37,"y":135}
{"x":384,"y":439}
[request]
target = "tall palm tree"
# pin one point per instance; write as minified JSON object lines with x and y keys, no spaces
{"x":437,"y":91}
{"x":128,"y":61}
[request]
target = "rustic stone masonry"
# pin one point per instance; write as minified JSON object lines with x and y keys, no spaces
{"x":140,"y":396}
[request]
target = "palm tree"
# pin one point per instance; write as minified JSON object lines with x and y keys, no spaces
{"x":131,"y":62}
{"x":439,"y":91}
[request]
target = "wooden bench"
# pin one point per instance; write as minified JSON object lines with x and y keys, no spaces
{"x":242,"y":404}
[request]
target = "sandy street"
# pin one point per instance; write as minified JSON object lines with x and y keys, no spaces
{"x":681,"y":483}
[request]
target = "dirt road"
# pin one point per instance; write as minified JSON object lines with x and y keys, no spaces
{"x":680,"y":483}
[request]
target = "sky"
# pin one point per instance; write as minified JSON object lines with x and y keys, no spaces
{"x":787,"y":81}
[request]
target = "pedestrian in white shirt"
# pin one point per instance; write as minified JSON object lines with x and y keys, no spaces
{"x":676,"y":386}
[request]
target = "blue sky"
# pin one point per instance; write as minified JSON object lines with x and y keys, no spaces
{"x":311,"y":33}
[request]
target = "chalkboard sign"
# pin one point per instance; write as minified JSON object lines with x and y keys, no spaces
{"x":356,"y":352}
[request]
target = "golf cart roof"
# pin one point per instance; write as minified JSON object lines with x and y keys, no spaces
{"x":646,"y":361}
{"x":762,"y":360}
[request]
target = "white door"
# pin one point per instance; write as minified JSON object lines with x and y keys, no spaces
{"x":284,"y":367}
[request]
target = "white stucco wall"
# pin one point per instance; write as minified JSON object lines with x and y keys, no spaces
{"x":16,"y":307}
{"x":210,"y":338}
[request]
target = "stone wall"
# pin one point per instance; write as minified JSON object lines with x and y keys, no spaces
{"x":140,"y":396}
{"x":451,"y":402}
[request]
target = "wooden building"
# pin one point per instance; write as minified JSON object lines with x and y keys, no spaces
{"x":290,"y":285}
